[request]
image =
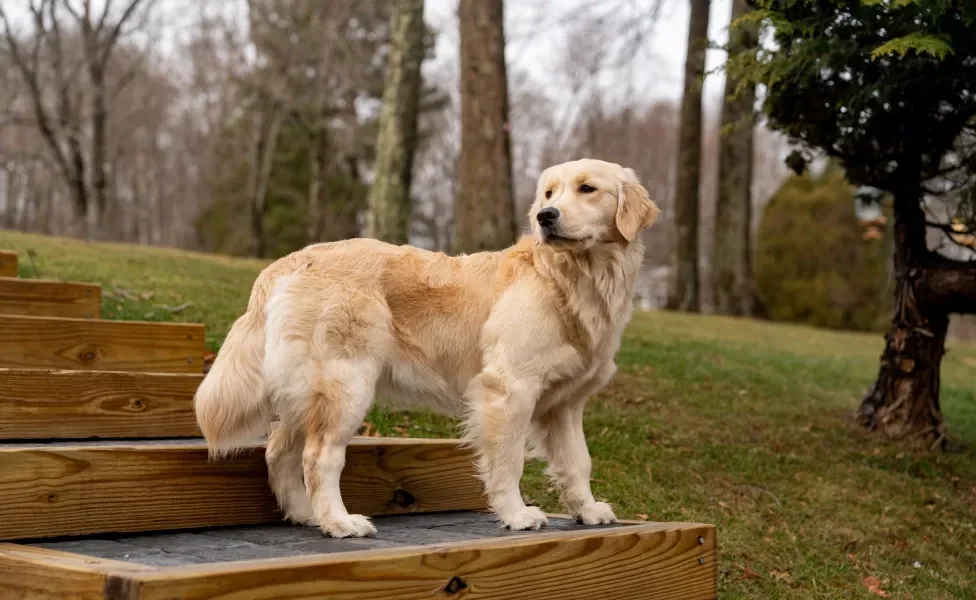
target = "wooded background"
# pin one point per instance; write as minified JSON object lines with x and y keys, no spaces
{"x":255,"y":127}
{"x":249,"y":127}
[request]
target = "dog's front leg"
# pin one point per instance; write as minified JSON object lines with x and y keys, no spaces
{"x":499,"y":420}
{"x":564,"y":444}
{"x":560,"y":435}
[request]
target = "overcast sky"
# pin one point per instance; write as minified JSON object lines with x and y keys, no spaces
{"x":536,"y":35}
{"x":535,"y":39}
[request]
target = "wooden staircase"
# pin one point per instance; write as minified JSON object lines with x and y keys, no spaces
{"x":106,"y":491}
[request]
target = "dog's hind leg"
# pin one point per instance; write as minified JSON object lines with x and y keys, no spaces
{"x":336,"y":409}
{"x":284,"y":458}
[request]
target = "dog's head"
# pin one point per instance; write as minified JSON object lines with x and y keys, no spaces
{"x":586,"y":202}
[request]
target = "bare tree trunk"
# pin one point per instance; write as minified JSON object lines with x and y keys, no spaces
{"x":389,"y":196}
{"x":485,"y":213}
{"x":265,"y":143}
{"x":732,"y":248}
{"x":99,"y":119}
{"x":684,"y":293}
{"x":317,"y":173}
{"x":903,"y":403}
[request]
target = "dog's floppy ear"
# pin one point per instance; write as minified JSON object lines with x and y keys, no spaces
{"x":635,"y":209}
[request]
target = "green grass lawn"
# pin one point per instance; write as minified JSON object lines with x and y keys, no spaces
{"x":743,"y":424}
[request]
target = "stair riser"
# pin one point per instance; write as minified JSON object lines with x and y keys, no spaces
{"x":53,"y":343}
{"x":44,"y":404}
{"x":62,"y":490}
{"x":38,"y":298}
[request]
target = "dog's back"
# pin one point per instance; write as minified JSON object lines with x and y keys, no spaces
{"x":421,"y":311}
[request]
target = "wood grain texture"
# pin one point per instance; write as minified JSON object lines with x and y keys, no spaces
{"x":42,"y":298}
{"x":56,"y":343}
{"x":48,"y":404}
{"x":86,"y":488}
{"x":8,"y":264}
{"x":659,"y":561}
{"x":40,"y":574}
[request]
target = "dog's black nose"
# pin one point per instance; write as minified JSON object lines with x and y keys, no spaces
{"x":547,"y":216}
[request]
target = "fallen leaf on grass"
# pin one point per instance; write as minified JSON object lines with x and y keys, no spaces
{"x":748,"y":572}
{"x":781,"y":576}
{"x":873,"y":585}
{"x":643,"y":517}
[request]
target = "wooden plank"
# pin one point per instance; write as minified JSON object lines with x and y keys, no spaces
{"x":56,"y":343}
{"x":41,"y":574}
{"x":60,"y":489}
{"x":654,"y":561}
{"x":43,"y":298}
{"x":8,"y":263}
{"x":46,"y":404}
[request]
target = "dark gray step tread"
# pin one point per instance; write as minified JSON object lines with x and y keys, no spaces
{"x":224,"y":544}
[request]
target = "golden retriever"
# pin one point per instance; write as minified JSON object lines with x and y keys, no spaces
{"x":515,"y":341}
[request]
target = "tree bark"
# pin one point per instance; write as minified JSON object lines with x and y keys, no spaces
{"x":903,"y":403}
{"x":485,"y":203}
{"x":389,"y":196}
{"x":317,"y":171}
{"x":732,"y":249}
{"x":265,"y":144}
{"x":684,"y":293}
{"x":99,"y":121}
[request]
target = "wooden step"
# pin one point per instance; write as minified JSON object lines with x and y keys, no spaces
{"x":57,"y":343}
{"x":454,"y":555}
{"x":46,"y":404}
{"x":43,"y":298}
{"x":8,"y":263}
{"x":58,"y":489}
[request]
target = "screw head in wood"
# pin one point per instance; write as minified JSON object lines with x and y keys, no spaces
{"x":701,"y":561}
{"x":189,"y":359}
{"x":701,"y":540}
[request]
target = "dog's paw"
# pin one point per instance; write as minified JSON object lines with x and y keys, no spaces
{"x":301,"y":516}
{"x":597,"y":513}
{"x":530,"y":517}
{"x":349,"y":526}
{"x":301,"y":520}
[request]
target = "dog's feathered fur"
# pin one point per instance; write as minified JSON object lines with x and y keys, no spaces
{"x":515,"y":341}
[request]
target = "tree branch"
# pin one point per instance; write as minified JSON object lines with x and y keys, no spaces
{"x":29,"y":73}
{"x":113,"y":36}
{"x":950,"y":285}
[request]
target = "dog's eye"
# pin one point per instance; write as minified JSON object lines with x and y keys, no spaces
{"x":548,"y":193}
{"x":586,"y":189}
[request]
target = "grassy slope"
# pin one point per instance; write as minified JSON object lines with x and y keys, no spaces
{"x":742,"y":424}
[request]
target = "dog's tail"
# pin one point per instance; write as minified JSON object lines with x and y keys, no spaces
{"x":230,"y":406}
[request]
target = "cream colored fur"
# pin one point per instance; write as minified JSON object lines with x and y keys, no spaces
{"x":515,"y":341}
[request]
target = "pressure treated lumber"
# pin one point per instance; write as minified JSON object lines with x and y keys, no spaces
{"x":643,"y":562}
{"x":59,"y":489}
{"x":52,"y":404}
{"x":43,"y":298}
{"x":8,"y":264}
{"x":56,"y":343}
{"x":649,"y":561}
{"x":37,"y":573}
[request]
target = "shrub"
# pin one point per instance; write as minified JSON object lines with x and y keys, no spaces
{"x":812,"y":265}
